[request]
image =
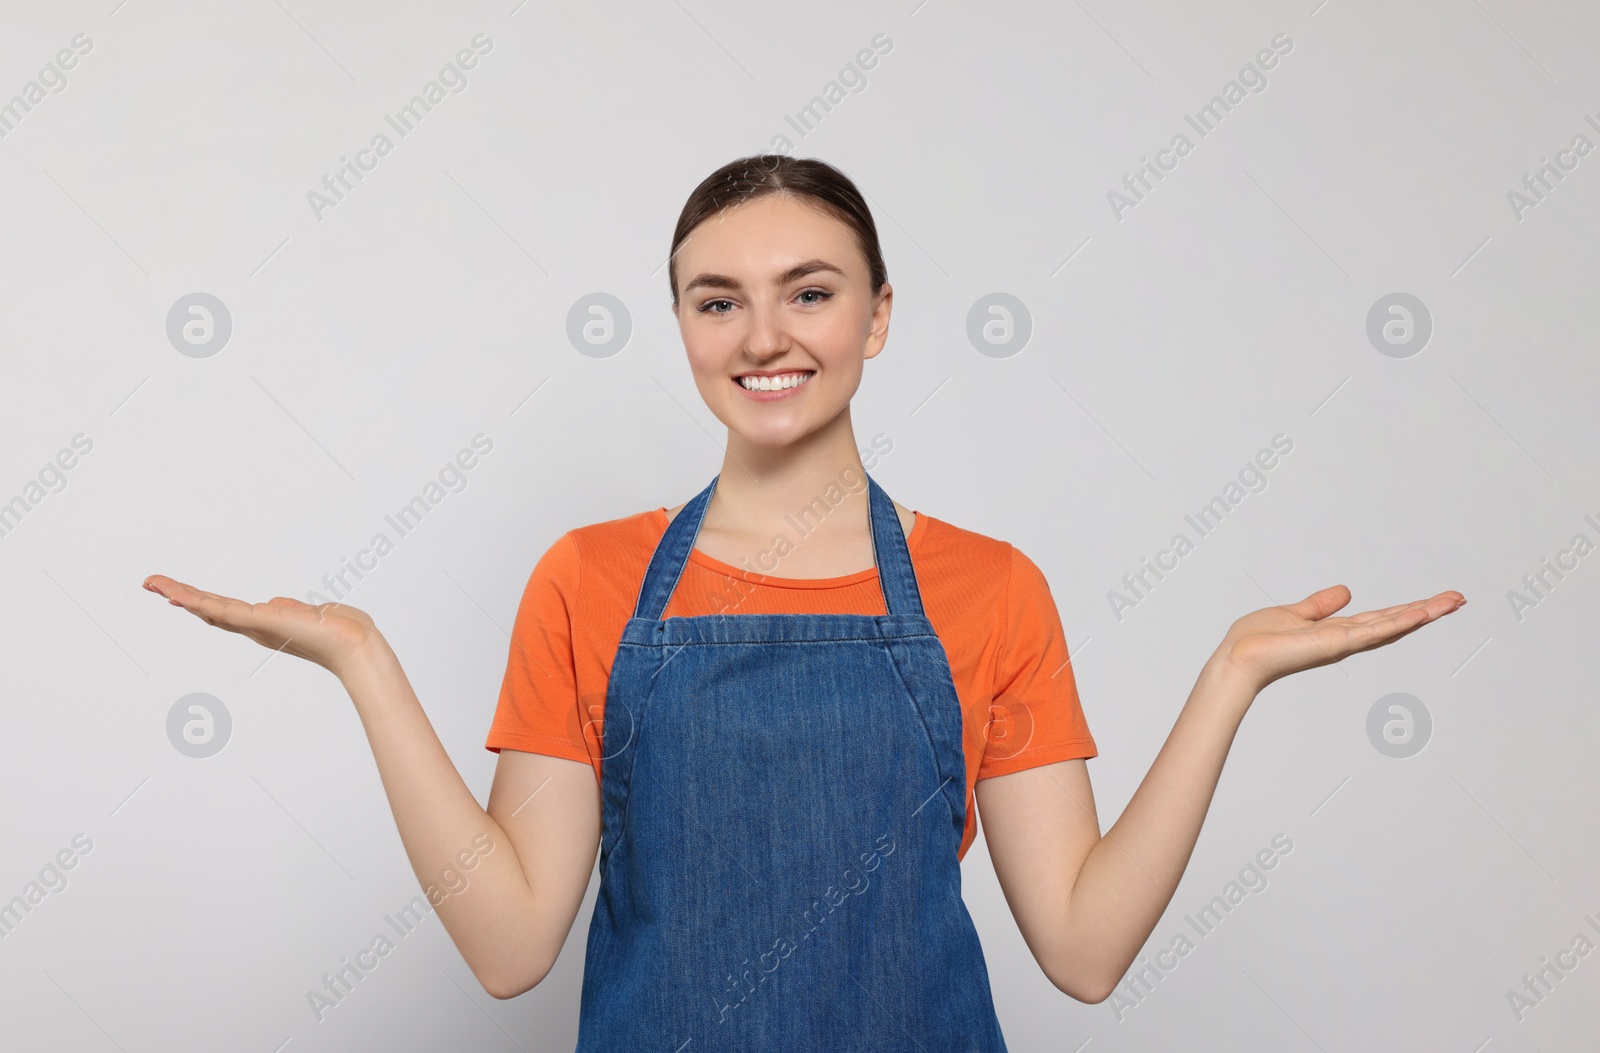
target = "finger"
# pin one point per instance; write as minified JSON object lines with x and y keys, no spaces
{"x":175,"y":592}
{"x":1443,"y":603}
{"x":1387,"y":630}
{"x":1320,"y":604}
{"x":1366,"y":617}
{"x":162,"y":586}
{"x":207,"y":604}
{"x":224,"y":612}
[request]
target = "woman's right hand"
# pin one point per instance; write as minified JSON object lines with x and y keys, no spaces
{"x":329,"y":634}
{"x":512,"y":923}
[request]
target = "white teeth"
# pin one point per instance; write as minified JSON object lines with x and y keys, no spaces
{"x":777,"y":383}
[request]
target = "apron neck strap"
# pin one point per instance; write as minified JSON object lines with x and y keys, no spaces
{"x":896,"y":577}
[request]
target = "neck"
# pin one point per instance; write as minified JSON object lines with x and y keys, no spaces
{"x":817,"y":481}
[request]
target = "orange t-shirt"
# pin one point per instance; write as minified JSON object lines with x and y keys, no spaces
{"x":989,"y":605}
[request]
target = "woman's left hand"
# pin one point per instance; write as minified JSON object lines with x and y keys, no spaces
{"x":1273,"y":642}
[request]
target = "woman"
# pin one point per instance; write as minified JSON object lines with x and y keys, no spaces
{"x":785,"y":780}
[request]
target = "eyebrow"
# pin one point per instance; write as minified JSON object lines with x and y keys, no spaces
{"x":799,"y":270}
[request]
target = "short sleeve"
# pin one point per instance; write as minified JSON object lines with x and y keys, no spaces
{"x":538,"y":711}
{"x":1036,"y":717}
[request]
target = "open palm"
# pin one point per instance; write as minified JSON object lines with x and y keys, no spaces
{"x":1273,"y":642}
{"x":327,"y":634}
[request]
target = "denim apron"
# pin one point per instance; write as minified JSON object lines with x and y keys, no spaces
{"x":782,"y":800}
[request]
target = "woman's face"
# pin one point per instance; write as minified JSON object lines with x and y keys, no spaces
{"x":773,"y":286}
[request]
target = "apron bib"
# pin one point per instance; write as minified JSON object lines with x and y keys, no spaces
{"x":782,"y":800}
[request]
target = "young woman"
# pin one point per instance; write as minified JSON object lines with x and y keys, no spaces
{"x":785,"y":780}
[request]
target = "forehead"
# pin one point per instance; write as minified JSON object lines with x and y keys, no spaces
{"x":767,"y":232}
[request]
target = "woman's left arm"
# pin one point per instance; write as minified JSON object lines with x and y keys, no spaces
{"x":1085,"y":903}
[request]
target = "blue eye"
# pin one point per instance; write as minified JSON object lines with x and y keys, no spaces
{"x":822,"y":294}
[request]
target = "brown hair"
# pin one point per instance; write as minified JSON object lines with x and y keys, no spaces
{"x":817,"y":182}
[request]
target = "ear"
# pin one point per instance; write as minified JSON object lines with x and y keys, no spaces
{"x":878,"y":332}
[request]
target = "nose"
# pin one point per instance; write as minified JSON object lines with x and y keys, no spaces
{"x":766,"y":337}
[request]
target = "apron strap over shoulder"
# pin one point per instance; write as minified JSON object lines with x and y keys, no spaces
{"x":896,"y":577}
{"x":666,"y":566}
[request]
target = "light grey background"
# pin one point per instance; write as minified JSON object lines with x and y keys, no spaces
{"x":1168,"y":346}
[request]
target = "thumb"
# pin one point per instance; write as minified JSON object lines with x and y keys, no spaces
{"x":1321,"y":603}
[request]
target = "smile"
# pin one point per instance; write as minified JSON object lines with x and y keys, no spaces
{"x":775,"y":385}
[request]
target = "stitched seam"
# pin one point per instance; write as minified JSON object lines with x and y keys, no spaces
{"x":788,"y":643}
{"x":1081,"y":740}
{"x":579,"y":549}
{"x":546,"y":738}
{"x":572,"y":635}
{"x":1005,"y":609}
{"x":922,"y":720}
{"x":633,"y":755}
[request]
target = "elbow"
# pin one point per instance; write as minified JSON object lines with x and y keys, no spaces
{"x":503,"y":989}
{"x":1095,"y":994}
{"x":504,"y":985}
{"x":1091,"y":990}
{"x":1091,"y":994}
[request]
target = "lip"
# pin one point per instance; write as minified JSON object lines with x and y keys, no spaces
{"x":771,"y":396}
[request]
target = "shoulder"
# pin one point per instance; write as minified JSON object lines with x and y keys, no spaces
{"x":962,"y":570}
{"x":976,"y":567}
{"x":625,"y":539}
{"x":609,"y":557}
{"x":589,"y":556}
{"x":640,"y":527}
{"x":941,"y":540}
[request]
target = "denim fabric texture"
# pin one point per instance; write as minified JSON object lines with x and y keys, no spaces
{"x":782,"y":800}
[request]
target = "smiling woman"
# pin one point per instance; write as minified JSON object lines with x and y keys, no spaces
{"x":743,"y":775}
{"x":783,"y":296}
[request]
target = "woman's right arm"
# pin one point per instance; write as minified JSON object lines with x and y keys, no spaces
{"x":512,"y":877}
{"x":505,"y":882}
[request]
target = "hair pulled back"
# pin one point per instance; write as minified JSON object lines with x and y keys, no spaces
{"x":820,"y":184}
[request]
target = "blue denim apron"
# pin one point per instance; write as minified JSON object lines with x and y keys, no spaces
{"x":782,"y":800}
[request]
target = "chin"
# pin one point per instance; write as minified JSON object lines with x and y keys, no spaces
{"x":773,"y":439}
{"x":772,"y":434}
